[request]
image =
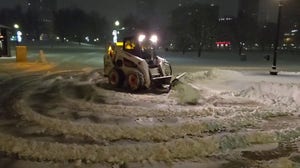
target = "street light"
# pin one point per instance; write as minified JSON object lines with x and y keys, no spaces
{"x":275,"y":52}
{"x":117,"y":23}
{"x":16,"y":26}
{"x":154,"y":39}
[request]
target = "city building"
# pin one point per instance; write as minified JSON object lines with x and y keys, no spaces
{"x":291,"y":23}
{"x":5,"y":33}
{"x":290,"y":20}
{"x":45,"y":11}
{"x":45,"y":8}
{"x":227,"y":8}
{"x":249,"y":8}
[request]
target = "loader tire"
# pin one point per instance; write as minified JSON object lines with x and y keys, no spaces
{"x":135,"y":81}
{"x":116,"y":78}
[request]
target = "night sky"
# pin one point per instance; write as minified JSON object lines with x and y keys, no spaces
{"x":116,"y":9}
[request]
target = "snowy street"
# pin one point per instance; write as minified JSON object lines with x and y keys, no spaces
{"x":90,"y":56}
{"x":224,"y":113}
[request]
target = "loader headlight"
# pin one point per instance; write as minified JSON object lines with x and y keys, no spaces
{"x":141,"y":38}
{"x":154,"y":39}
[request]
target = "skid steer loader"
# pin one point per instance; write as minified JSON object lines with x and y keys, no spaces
{"x":134,"y":64}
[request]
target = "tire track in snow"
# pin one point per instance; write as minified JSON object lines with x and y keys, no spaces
{"x":167,"y":142}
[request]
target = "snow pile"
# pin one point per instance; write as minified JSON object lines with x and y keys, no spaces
{"x":213,"y":74}
{"x":204,"y":75}
{"x":186,"y":94}
{"x":282,"y":91}
{"x":287,"y":95}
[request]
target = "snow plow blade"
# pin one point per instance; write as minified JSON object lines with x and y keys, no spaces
{"x":162,"y":80}
{"x":175,"y":81}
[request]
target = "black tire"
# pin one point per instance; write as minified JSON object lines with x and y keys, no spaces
{"x":135,"y":81}
{"x":116,"y":78}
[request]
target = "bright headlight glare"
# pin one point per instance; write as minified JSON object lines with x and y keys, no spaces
{"x":141,"y":37}
{"x":154,"y":38}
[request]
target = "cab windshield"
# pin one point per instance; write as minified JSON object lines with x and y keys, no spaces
{"x":142,"y":48}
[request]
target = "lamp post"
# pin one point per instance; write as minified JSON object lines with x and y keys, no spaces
{"x":16,"y":26}
{"x":115,"y":31}
{"x":276,"y":42}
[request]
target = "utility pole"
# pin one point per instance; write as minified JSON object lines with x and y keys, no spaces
{"x":275,"y":52}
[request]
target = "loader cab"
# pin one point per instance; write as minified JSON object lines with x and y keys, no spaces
{"x":131,"y":46}
{"x":140,"y":47}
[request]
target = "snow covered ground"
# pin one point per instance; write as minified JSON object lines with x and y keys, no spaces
{"x":224,"y":113}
